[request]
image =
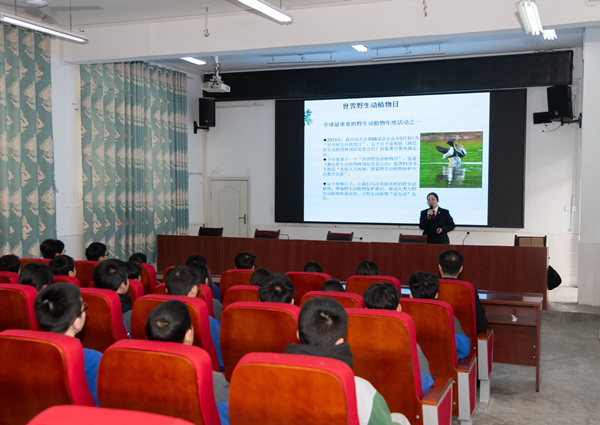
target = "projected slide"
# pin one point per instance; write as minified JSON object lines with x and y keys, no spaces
{"x":374,"y":160}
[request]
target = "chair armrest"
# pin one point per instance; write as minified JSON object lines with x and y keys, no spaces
{"x":485,"y":347}
{"x":466,"y":364}
{"x":436,"y":393}
{"x":485,"y":335}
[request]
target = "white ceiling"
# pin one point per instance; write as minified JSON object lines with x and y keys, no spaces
{"x":99,"y":12}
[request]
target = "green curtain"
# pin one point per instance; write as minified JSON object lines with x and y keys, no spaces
{"x":27,"y":201}
{"x":134,"y":142}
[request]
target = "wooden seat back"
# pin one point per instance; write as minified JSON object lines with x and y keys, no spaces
{"x":9,"y":277}
{"x":345,"y":299}
{"x":198,"y":312}
{"x":104,"y":319}
{"x":265,"y":391}
{"x":26,"y":390}
{"x":135,"y":290}
{"x":24,"y":261}
{"x":461,"y":296}
{"x":85,"y":271}
{"x":248,"y":327}
{"x":358,"y":283}
{"x":69,"y":279}
{"x":240,"y":293}
{"x":17,"y":307}
{"x":148,"y":278}
{"x":204,"y":293}
{"x":135,"y":374}
{"x":305,"y":282}
{"x":233,"y":277}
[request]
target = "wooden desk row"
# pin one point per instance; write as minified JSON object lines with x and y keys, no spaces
{"x":497,"y":268}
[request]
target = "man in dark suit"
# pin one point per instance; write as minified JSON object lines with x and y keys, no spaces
{"x":436,"y":222}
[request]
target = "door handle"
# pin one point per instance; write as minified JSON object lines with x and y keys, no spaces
{"x":244,"y":217}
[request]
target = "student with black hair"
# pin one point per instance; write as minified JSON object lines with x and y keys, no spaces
{"x":259,"y":275}
{"x":134,"y":269}
{"x":37,"y":275}
{"x":385,"y":296}
{"x":277,"y":288}
{"x":322,"y":326}
{"x":139,"y":257}
{"x":205,"y":278}
{"x":10,"y":263}
{"x":194,"y":259}
{"x":112,"y":274}
{"x":50,"y":248}
{"x":184,"y":281}
{"x":96,"y":251}
{"x":60,"y":309}
{"x":63,"y":265}
{"x":245,"y":260}
{"x":171,"y":322}
{"x":332,"y":285}
{"x":313,"y":267}
{"x":426,"y":285}
{"x":367,"y":268}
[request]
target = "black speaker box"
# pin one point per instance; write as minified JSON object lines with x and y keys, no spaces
{"x":559,"y":101}
{"x":541,"y":117}
{"x":206,"y":112}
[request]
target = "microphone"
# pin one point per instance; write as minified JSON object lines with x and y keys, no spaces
{"x":284,"y":234}
{"x":430,"y":216}
{"x":466,"y":236}
{"x":357,"y":237}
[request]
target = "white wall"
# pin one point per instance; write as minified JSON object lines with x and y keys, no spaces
{"x":242,"y":145}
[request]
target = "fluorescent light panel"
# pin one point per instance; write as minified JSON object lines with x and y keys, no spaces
{"x":47,"y":29}
{"x":302,"y":62}
{"x":409,"y":56}
{"x":530,"y":17}
{"x":268,"y":10}
{"x":360,"y":48}
{"x":194,"y":60}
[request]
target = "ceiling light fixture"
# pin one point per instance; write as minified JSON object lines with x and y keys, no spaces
{"x":194,"y":60}
{"x":268,"y":10}
{"x":360,"y":48}
{"x":302,"y":61}
{"x":409,"y":55}
{"x":530,"y":17}
{"x":37,"y":26}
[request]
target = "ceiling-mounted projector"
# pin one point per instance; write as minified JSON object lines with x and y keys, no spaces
{"x":215,"y":86}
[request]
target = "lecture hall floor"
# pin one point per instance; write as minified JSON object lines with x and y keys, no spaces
{"x":570,"y":372}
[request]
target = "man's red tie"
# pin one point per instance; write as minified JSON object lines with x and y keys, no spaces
{"x":433,"y":215}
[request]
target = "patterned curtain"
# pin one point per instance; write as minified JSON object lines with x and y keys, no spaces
{"x":134,"y":141}
{"x":27,"y":201}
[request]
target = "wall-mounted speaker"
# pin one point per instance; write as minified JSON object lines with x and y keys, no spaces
{"x":559,"y":101}
{"x":206,"y":114}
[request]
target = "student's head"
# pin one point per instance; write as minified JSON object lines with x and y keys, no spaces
{"x":382,"y":296}
{"x":96,"y":251}
{"x":423,"y":285}
{"x":111,"y":274}
{"x":332,"y":285}
{"x":62,"y":265}
{"x":182,"y":280}
{"x":9,"y":263}
{"x":203,"y":272}
{"x":314,"y":267}
{"x":245,"y":260}
{"x":171,"y":322}
{"x":277,"y":288}
{"x":322,"y":321}
{"x":367,"y":268}
{"x":450,"y":263}
{"x":134,"y":269}
{"x":194,"y":259}
{"x":37,"y":275}
{"x":50,"y":248}
{"x":259,"y":275}
{"x":139,"y":257}
{"x":60,"y":309}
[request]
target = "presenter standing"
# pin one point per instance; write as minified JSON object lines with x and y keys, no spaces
{"x":436,"y":222}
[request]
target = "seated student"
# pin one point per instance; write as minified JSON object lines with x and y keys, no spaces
{"x":112,"y":274}
{"x":63,"y":265}
{"x":199,"y":259}
{"x":37,"y":275}
{"x":385,"y":296}
{"x":206,"y":279}
{"x":10,"y":263}
{"x":314,"y":267}
{"x":322,"y":326}
{"x":194,"y":259}
{"x":259,"y":275}
{"x":171,"y":322}
{"x":139,"y":257}
{"x":96,"y":251}
{"x":450,"y":266}
{"x":60,"y":309}
{"x":332,"y":285}
{"x":277,"y":288}
{"x":426,"y":285}
{"x":367,"y":268}
{"x":134,"y":270}
{"x":50,"y":248}
{"x":184,"y":281}
{"x":245,"y":260}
